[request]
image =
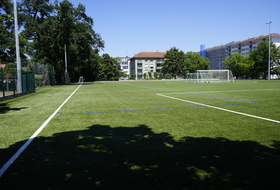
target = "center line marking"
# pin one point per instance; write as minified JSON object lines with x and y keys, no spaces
{"x":218,"y":108}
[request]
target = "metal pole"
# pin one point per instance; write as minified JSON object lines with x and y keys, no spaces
{"x":268,"y":73}
{"x":66,"y":75}
{"x":19,"y":83}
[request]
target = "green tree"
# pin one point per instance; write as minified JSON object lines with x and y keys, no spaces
{"x":174,"y":62}
{"x":167,"y":76}
{"x":51,"y":27}
{"x":276,"y":71}
{"x":133,"y":76}
{"x":155,"y":75}
{"x":110,"y":68}
{"x":194,"y":62}
{"x":259,"y":56}
{"x":7,"y":36}
{"x":239,"y":64}
{"x":150,"y":75}
{"x":145,"y":76}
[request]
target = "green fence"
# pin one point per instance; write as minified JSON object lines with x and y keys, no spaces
{"x":8,"y":83}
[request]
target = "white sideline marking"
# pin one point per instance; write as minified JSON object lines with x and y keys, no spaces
{"x":16,"y":155}
{"x":222,"y":91}
{"x":240,"y":113}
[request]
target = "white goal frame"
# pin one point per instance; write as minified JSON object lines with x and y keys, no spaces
{"x":81,"y":79}
{"x":207,"y":76}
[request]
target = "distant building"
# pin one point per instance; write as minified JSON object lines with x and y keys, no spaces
{"x":218,"y":54}
{"x":202,"y":51}
{"x":2,"y":65}
{"x":145,"y":62}
{"x":124,"y":63}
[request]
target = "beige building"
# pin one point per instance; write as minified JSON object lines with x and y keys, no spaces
{"x":145,"y":62}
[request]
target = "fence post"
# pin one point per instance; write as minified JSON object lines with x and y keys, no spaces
{"x":2,"y":82}
{"x":14,"y":84}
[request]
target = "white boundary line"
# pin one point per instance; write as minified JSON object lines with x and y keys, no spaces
{"x":240,"y":113}
{"x":219,"y":91}
{"x":16,"y":155}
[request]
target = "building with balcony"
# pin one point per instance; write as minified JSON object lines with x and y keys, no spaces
{"x":218,"y":54}
{"x":124,"y":63}
{"x":145,"y":62}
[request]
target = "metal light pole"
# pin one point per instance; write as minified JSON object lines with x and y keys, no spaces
{"x":268,"y":73}
{"x":19,"y":83}
{"x":66,"y":74}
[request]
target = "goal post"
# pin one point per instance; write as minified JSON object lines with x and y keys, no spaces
{"x":207,"y":76}
{"x":81,"y":79}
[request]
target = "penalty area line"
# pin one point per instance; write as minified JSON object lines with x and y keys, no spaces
{"x":16,"y":155}
{"x":218,"y":108}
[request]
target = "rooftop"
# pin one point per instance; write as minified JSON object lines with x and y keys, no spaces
{"x":149,"y":55}
{"x":262,"y":37}
{"x":2,"y":65}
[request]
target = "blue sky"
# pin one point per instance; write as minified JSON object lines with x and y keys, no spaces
{"x":132,"y":26}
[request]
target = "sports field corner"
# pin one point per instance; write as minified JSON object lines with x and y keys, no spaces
{"x":143,"y":135}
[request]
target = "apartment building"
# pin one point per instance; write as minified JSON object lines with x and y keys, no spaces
{"x":218,"y":54}
{"x":124,"y":63}
{"x":145,"y":62}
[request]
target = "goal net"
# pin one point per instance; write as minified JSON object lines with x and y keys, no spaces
{"x":207,"y":76}
{"x":81,"y":79}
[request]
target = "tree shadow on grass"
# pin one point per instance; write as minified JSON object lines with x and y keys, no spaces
{"x":103,"y":157}
{"x":4,"y":108}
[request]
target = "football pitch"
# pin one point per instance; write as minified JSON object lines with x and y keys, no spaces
{"x":166,"y":134}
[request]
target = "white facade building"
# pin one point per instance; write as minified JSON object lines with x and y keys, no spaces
{"x":124,"y":63}
{"x":218,"y":54}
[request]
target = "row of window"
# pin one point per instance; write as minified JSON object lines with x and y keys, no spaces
{"x":244,"y":45}
{"x":146,"y":71}
{"x":245,"y":49}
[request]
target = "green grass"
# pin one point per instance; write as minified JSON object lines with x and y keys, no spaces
{"x":122,"y":135}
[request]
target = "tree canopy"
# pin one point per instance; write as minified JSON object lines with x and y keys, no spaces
{"x":174,"y":62}
{"x":259,"y":56}
{"x":55,"y":28}
{"x":7,"y":40}
{"x":178,"y":63}
{"x":240,"y":65}
{"x":256,"y":64}
{"x":195,"y":62}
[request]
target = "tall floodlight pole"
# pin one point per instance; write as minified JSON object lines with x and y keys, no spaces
{"x":19,"y":85}
{"x":268,"y":73}
{"x":66,"y":75}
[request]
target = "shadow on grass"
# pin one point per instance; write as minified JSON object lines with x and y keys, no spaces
{"x":4,"y":108}
{"x":103,"y":157}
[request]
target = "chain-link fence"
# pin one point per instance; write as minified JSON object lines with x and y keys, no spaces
{"x":44,"y":74}
{"x":39,"y":75}
{"x":9,"y":81}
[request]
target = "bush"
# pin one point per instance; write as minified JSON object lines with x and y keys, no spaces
{"x":133,"y":76}
{"x":168,"y":76}
{"x":39,"y":81}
